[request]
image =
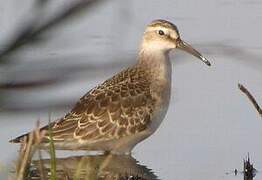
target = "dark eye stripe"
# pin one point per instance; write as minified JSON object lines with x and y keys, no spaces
{"x":160,"y":32}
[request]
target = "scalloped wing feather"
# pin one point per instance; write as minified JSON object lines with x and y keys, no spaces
{"x":119,"y":107}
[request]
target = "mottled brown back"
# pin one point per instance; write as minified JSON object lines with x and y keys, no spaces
{"x":119,"y":107}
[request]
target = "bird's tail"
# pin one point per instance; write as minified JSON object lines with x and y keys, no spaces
{"x":25,"y":137}
{"x":19,"y":139}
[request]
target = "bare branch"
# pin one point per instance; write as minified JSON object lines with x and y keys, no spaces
{"x":251,"y":98}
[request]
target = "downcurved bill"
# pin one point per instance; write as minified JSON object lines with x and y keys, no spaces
{"x":188,"y":48}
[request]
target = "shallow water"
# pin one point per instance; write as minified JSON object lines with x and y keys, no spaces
{"x":95,"y":167}
{"x":210,"y":126}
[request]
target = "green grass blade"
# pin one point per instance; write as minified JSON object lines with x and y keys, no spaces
{"x":52,"y":153}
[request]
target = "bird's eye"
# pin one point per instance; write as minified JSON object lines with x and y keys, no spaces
{"x":160,"y":32}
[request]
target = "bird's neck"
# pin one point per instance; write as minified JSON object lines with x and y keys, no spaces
{"x":158,"y":67}
{"x":156,"y":62}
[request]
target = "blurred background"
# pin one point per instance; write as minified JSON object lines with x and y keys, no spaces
{"x":53,"y":52}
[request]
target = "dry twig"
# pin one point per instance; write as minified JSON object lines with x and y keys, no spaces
{"x":251,"y":98}
{"x":25,"y":155}
{"x":27,"y":149}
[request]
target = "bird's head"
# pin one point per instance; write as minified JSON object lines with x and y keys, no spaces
{"x":162,"y":35}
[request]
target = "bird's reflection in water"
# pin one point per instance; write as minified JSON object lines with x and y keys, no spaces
{"x":101,"y":167}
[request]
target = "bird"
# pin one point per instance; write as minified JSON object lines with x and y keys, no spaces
{"x":127,"y":108}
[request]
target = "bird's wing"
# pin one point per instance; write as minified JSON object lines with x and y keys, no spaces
{"x":114,"y":109}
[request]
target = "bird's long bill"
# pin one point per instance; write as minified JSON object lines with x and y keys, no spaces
{"x":188,"y":48}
